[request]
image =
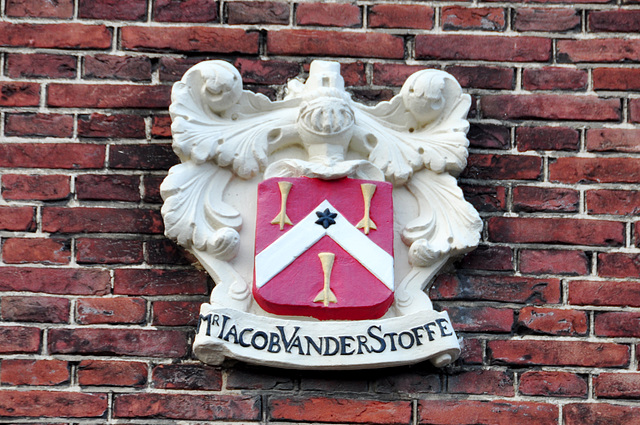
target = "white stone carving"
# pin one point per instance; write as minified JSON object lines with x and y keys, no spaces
{"x":229,"y":139}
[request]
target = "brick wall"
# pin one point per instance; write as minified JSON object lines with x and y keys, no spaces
{"x":98,"y":309}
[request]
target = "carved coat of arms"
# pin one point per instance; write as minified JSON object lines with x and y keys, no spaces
{"x":321,"y":220}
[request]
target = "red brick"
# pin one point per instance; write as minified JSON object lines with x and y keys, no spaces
{"x":52,"y":403}
{"x":108,"y":251}
{"x":112,"y":373}
{"x":164,"y":251}
{"x":55,"y":36}
{"x":176,"y":313}
{"x":35,"y":309}
{"x":503,"y":167}
{"x":497,"y":258}
{"x":595,"y":170}
{"x":185,"y":11}
{"x":36,"y":250}
{"x":41,"y":125}
{"x":329,"y":15}
{"x":51,"y":155}
{"x":190,"y":39}
{"x":392,"y":74}
{"x":537,"y":261}
{"x":615,"y":20}
{"x":489,"y":48}
{"x":40,"y":9}
{"x":617,"y":385}
{"x":554,"y":78}
{"x":607,"y":293}
{"x":498,"y":412}
{"x":556,"y":230}
{"x":599,"y":50}
{"x":101,"y":220}
{"x":600,"y":413}
{"x":111,"y":310}
{"x":486,"y":198}
{"x":161,"y":127}
{"x":551,"y":107}
{"x":495,"y":382}
{"x":118,"y":342}
{"x":17,"y":218}
{"x":618,"y":202}
{"x":254,"y":378}
{"x":55,"y":280}
{"x":616,"y":79}
{"x":472,"y":351}
{"x":19,"y":94}
{"x":545,"y":199}
{"x":558,"y":353}
{"x":400,"y":16}
{"x":617,"y":323}
{"x":556,"y":19}
{"x":613,"y":140}
{"x":481,"y":319}
{"x":147,"y":157}
{"x":187,"y":377}
{"x":131,"y":10}
{"x":551,"y":321}
{"x":335,"y":43}
{"x":152,"y":189}
{"x":34,"y":372}
{"x":263,"y":12}
{"x":187,"y":406}
{"x":172,"y":69}
{"x":316,"y":409}
{"x":552,"y":384}
{"x":634,"y":110}
{"x":110,"y":187}
{"x":483,"y":77}
{"x":496,"y":288}
{"x":354,"y":73}
{"x":547,"y":138}
{"x":266,"y":72}
{"x":41,"y":65}
{"x":108,"y":96}
{"x":135,"y":68}
{"x":159,"y":282}
{"x":489,"y":136}
{"x":19,"y":339}
{"x":473,"y":18}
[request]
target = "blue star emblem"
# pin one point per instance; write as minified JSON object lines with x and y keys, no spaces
{"x":326,"y":218}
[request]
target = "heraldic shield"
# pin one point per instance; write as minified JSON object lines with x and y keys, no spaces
{"x":324,"y":249}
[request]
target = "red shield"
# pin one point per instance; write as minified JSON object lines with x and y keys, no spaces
{"x":324,"y":248}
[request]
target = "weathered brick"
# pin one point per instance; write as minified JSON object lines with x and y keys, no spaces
{"x":335,"y":43}
{"x":613,"y":140}
{"x":634,"y":110}
{"x":551,"y":106}
{"x":261,"y":12}
{"x":159,"y":282}
{"x":35,"y":309}
{"x":483,"y":77}
{"x":554,"y":78}
{"x":17,"y":218}
{"x":471,"y":351}
{"x":497,"y":258}
{"x":52,"y":403}
{"x":618,"y":20}
{"x":41,"y":65}
{"x":400,"y":16}
{"x":36,"y":250}
{"x":481,"y":319}
{"x":135,"y":68}
{"x":600,"y":413}
{"x":329,"y":15}
{"x":617,"y":323}
{"x":558,"y":353}
{"x":335,"y":381}
{"x":503,"y":167}
{"x":34,"y":372}
{"x":40,"y":9}
{"x":40,"y":125}
{"x":110,"y":187}
{"x":545,"y":199}
{"x":164,"y":251}
{"x":473,"y":18}
{"x":618,"y":202}
{"x":595,"y":170}
{"x":118,"y":342}
{"x":175,"y":313}
{"x":553,"y":384}
{"x":185,"y":11}
{"x":55,"y":280}
{"x":172,"y":69}
{"x":101,"y":220}
{"x":51,"y":155}
{"x":496,"y":288}
{"x":19,"y":339}
{"x":189,"y":39}
{"x":187,"y":406}
{"x":152,"y":189}
{"x":486,"y":198}
{"x":393,"y":74}
{"x":112,"y":373}
{"x":556,"y":230}
{"x":547,"y":138}
{"x":266,"y":72}
{"x":607,"y":293}
{"x":131,"y":10}
{"x":111,"y":310}
{"x":108,"y":251}
{"x":489,"y":48}
{"x":161,"y":127}
{"x":55,"y":36}
{"x":537,"y":261}
{"x":616,"y":79}
{"x":539,"y":19}
{"x":108,"y":96}
{"x":617,"y":385}
{"x":552,"y":321}
{"x":439,"y":412}
{"x":258,"y":378}
{"x":599,"y":50}
{"x":187,"y":377}
{"x":353,"y":73}
{"x":495,"y":382}
{"x":19,"y":94}
{"x":148,"y":157}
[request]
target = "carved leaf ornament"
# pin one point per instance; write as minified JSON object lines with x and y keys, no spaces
{"x":229,"y":140}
